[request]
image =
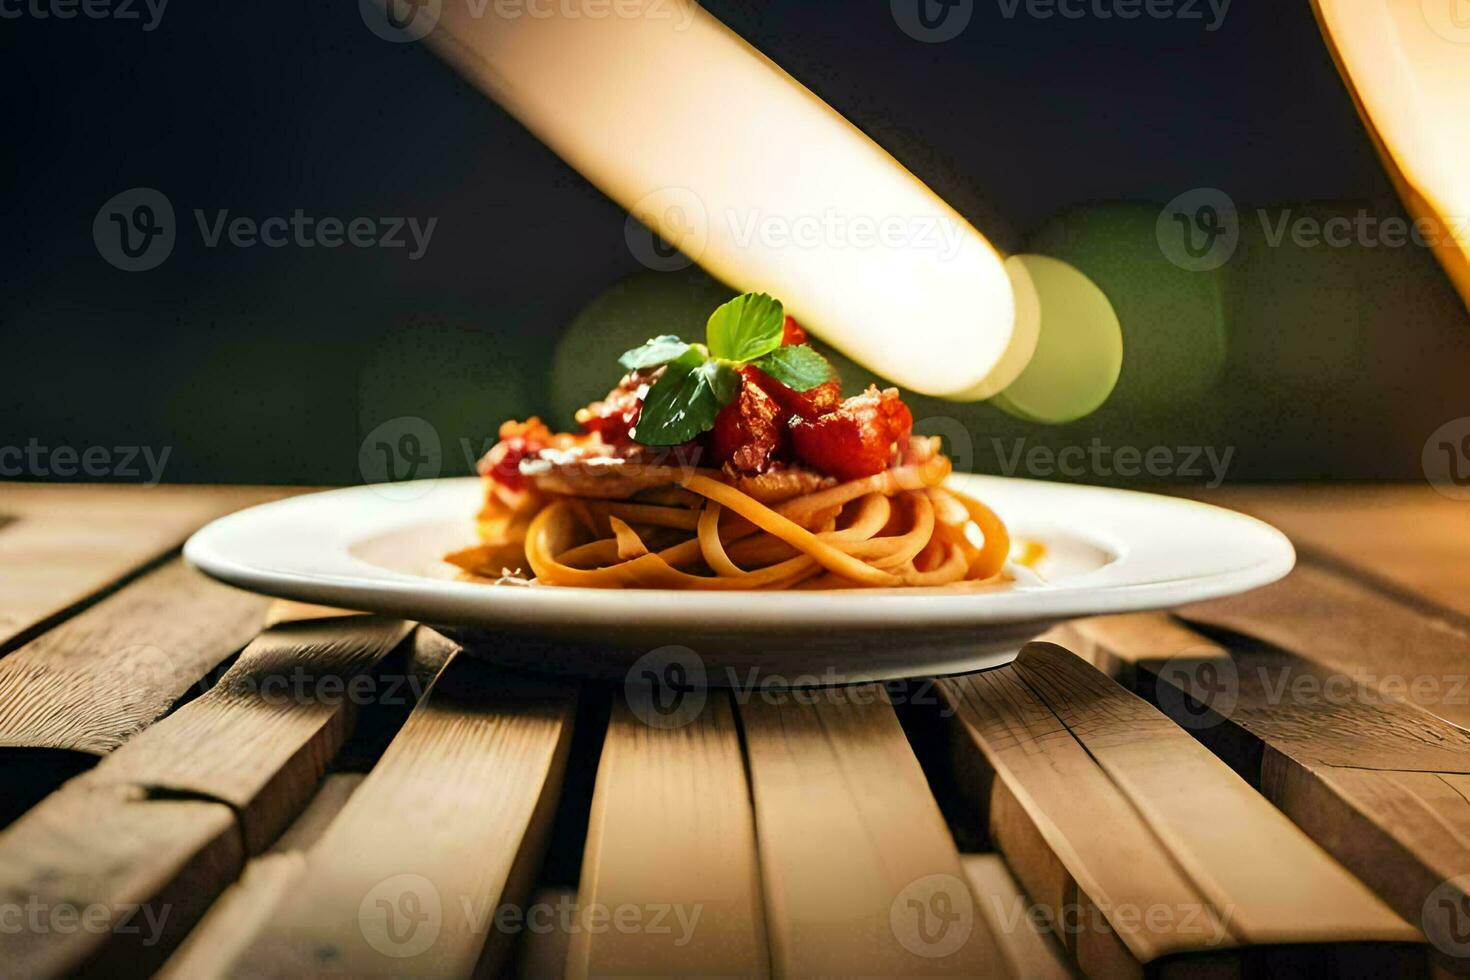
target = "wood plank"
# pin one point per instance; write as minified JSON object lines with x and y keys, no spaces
{"x":672,"y":838}
{"x":447,"y":828}
{"x":1408,"y":535}
{"x":546,"y":953}
{"x":1351,"y":628}
{"x":244,"y":908}
{"x":84,"y":688}
{"x":248,"y":752}
{"x":1029,"y":940}
{"x":1296,"y":895}
{"x":1072,"y":837}
{"x":115,"y":879}
{"x":1378,"y":782}
{"x":67,"y":542}
{"x":93,"y":683}
{"x":861,"y":876}
{"x":261,"y":739}
{"x":1097,"y":798}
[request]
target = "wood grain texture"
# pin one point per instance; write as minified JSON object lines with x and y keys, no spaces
{"x":672,"y":837}
{"x":1100,"y":801}
{"x":1351,"y":628}
{"x":1029,"y":942}
{"x":1299,"y":895}
{"x":65,"y":543}
{"x":448,"y":827}
{"x":94,"y":682}
{"x":238,"y":915}
{"x":1072,"y":837}
{"x":860,"y":873}
{"x":260,"y":740}
{"x":110,"y":879}
{"x":1377,"y":781}
{"x":1409,"y":536}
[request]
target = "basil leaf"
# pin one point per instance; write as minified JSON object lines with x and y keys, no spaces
{"x":658,"y":350}
{"x":798,"y":366}
{"x":685,"y":399}
{"x":745,"y":328}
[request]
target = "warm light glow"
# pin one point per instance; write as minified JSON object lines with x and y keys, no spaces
{"x":1408,"y":65}
{"x":755,"y":178}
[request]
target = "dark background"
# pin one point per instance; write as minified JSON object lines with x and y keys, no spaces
{"x":270,"y":365}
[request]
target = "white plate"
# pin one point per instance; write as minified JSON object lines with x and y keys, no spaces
{"x":378,"y":549}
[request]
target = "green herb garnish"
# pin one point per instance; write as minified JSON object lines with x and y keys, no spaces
{"x":701,"y":379}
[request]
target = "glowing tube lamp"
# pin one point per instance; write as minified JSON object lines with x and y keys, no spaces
{"x":725,"y":155}
{"x":1407,"y":64}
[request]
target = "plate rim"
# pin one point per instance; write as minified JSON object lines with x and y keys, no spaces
{"x":373,"y":588}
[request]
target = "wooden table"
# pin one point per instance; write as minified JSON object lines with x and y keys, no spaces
{"x":198,"y":781}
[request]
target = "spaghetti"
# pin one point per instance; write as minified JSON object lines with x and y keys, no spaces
{"x":809,"y":491}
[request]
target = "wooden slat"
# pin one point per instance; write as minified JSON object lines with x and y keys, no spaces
{"x":96,"y":681}
{"x":447,"y":827}
{"x":82,"y":689}
{"x":261,"y":738}
{"x":137,"y":871}
{"x":1346,"y":625}
{"x":1086,"y":803}
{"x":1380,"y":783}
{"x":1073,"y":839}
{"x":860,"y":873}
{"x":246,"y":906}
{"x":1409,"y":535}
{"x":672,"y":839}
{"x":237,"y":754}
{"x":1030,"y":944}
{"x":65,"y":543}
